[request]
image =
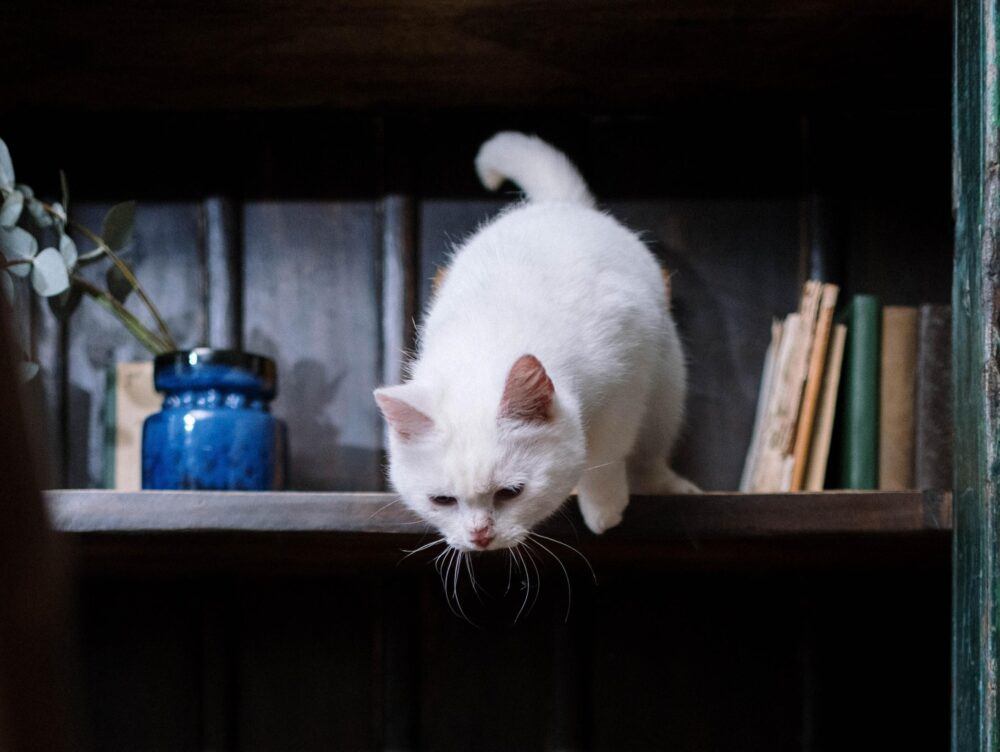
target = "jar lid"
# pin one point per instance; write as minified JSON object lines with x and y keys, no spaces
{"x":258,"y":366}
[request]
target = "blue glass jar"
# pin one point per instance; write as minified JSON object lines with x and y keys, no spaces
{"x":214,"y":431}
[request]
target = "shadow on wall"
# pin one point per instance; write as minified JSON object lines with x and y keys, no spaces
{"x":718,"y":419}
{"x":307,"y":395}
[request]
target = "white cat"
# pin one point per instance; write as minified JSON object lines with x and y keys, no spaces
{"x":548,"y":360}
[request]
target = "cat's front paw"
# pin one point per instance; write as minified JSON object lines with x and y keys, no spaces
{"x":599,"y":520}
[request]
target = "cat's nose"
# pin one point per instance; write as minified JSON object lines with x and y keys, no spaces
{"x":481,"y":536}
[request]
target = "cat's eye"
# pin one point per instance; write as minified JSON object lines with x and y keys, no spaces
{"x":443,"y":501}
{"x":509,"y":492}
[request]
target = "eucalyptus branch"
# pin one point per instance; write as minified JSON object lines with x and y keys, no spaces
{"x":165,"y":335}
{"x":148,"y":339}
{"x":15,"y":262}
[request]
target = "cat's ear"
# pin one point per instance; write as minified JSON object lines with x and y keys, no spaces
{"x":397,"y":406}
{"x":528,"y":393}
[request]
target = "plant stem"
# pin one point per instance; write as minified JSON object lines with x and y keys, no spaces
{"x":15,"y":262}
{"x":147,"y":338}
{"x":165,"y":335}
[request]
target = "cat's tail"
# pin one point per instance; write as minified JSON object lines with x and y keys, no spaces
{"x":541,"y":171}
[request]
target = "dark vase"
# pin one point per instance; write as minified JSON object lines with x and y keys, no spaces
{"x":214,"y":431}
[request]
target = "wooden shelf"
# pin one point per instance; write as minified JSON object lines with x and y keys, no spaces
{"x":169,"y":533}
{"x":712,"y":515}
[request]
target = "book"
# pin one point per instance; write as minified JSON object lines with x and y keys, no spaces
{"x":897,"y":389}
{"x":791,"y":359}
{"x":819,"y":446}
{"x":933,"y":417}
{"x":814,"y":382}
{"x":134,"y":400}
{"x":858,"y":411}
{"x":770,"y":460}
{"x":747,"y":480}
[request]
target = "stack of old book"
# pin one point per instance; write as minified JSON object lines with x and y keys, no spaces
{"x":880,"y":375}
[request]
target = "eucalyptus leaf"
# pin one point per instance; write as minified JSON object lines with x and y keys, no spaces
{"x":39,"y":214}
{"x":118,"y":225}
{"x":6,"y":167}
{"x":7,"y":283}
{"x":10,"y":212}
{"x":17,"y":243}
{"x":118,"y":286}
{"x":48,"y":273}
{"x":63,"y":305}
{"x":27,"y":371}
{"x":68,"y":250}
{"x":59,"y":213}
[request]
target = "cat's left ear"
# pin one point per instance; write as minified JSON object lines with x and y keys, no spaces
{"x":528,"y":393}
{"x":397,"y":406}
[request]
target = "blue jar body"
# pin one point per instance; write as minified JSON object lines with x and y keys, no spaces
{"x":214,"y":432}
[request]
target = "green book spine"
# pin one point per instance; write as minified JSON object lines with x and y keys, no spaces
{"x":859,"y":398}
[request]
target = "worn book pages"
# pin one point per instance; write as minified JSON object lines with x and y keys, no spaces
{"x":135,"y":400}
{"x":814,"y":382}
{"x":819,"y":451}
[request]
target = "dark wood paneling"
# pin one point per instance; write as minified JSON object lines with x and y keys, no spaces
{"x":485,"y":684}
{"x":305,"y":665}
{"x":166,"y":258}
{"x":142,"y":665}
{"x":880,"y":674}
{"x":695,"y":664}
{"x":310,"y":302}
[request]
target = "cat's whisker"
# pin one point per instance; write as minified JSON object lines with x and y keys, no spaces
{"x":569,"y":586}
{"x":527,"y":581}
{"x":446,"y":578}
{"x":382,"y":509}
{"x":472,"y":579}
{"x":510,"y":569}
{"x":574,"y":550}
{"x":603,"y":464}
{"x":420,"y":548}
{"x":458,"y":571}
{"x":538,"y":574}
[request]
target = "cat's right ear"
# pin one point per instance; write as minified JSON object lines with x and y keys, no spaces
{"x":396,"y":404}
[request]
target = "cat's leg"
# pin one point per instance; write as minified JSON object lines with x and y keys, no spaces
{"x":603,"y":495}
{"x":654,"y":478}
{"x":649,"y":471}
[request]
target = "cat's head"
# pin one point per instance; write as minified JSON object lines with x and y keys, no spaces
{"x":484,"y":477}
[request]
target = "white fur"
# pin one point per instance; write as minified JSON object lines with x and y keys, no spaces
{"x":556,"y":279}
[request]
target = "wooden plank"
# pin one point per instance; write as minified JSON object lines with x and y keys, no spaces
{"x":310,"y":302}
{"x":405,"y":53}
{"x":166,"y":258}
{"x":976,"y":362}
{"x":223,"y":282}
{"x":647,"y":518}
{"x":399,"y":283}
